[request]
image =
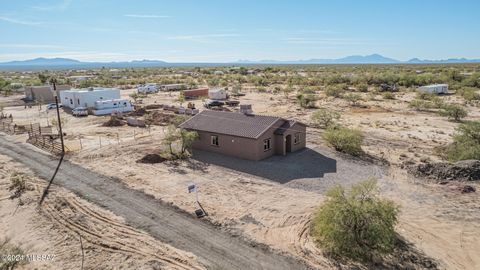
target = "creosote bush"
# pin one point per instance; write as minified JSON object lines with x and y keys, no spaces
{"x":466,"y":143}
{"x":18,"y":184}
{"x":454,"y":112}
{"x":324,"y":118}
{"x":356,"y":224}
{"x":344,"y":139}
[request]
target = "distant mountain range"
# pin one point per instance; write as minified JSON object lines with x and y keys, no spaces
{"x":64,"y":63}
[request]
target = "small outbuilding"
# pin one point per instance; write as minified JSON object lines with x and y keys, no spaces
{"x":87,"y":97}
{"x":434,"y":89}
{"x":246,"y":135}
{"x":217,"y":94}
{"x":147,"y":88}
{"x":43,"y":93}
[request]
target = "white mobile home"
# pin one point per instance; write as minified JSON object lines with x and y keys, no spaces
{"x":86,"y":97}
{"x":173,"y":87}
{"x":147,"y":88}
{"x":434,"y":88}
{"x":103,"y":107}
{"x":217,"y":94}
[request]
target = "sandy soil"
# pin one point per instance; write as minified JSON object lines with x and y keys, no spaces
{"x":438,"y":220}
{"x":64,"y":220}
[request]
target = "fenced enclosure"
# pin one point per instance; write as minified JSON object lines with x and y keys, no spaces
{"x":44,"y":138}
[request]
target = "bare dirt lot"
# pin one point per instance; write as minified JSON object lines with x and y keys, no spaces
{"x":272,"y":201}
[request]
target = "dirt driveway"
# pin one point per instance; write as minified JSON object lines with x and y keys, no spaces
{"x":215,"y":248}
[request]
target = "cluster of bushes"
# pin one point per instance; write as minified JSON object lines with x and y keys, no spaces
{"x":466,"y":143}
{"x":356,"y":224}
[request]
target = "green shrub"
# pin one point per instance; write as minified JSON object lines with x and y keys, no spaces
{"x":324,"y":118}
{"x":363,"y":87}
{"x":353,"y":98}
{"x":307,"y":101}
{"x":356,"y":224}
{"x":334,"y":91}
{"x":8,"y":248}
{"x":454,"y":111}
{"x":469,"y":93}
{"x":388,"y":95}
{"x":344,"y":139}
{"x":420,"y":105}
{"x":466,"y":143}
{"x":18,"y":184}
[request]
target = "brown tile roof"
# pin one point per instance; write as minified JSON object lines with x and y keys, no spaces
{"x":231,"y":123}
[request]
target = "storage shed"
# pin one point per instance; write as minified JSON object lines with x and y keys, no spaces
{"x":87,"y":97}
{"x":434,"y":88}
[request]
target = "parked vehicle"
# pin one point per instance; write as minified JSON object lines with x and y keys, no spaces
{"x":213,"y":103}
{"x":52,"y":106}
{"x":80,"y":111}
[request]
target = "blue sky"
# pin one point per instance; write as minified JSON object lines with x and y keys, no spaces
{"x":219,"y":31}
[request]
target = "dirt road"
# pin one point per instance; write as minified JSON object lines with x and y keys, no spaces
{"x":216,"y":249}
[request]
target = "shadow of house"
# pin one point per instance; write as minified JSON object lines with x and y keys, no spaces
{"x":305,"y":163}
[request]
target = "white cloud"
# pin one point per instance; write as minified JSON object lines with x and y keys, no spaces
{"x":62,"y":5}
{"x":17,"y":21}
{"x":146,"y":16}
{"x":202,"y":37}
{"x":78,"y":55}
{"x":31,"y":46}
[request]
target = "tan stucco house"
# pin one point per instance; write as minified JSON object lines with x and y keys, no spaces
{"x":246,"y":136}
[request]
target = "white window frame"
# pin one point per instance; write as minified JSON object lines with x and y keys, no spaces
{"x":213,"y":139}
{"x":295,"y":137}
{"x":267,"y":144}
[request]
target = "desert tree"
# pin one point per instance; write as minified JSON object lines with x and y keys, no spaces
{"x":187,"y":137}
{"x":356,"y":223}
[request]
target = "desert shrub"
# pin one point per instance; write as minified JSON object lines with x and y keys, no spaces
{"x":7,"y":248}
{"x":420,"y":105}
{"x":363,"y":87}
{"x":466,"y":143}
{"x":468,"y":93}
{"x":425,"y":96}
{"x":356,"y":224}
{"x":18,"y":184}
{"x":353,"y":98}
{"x":334,"y":91}
{"x":454,"y":111}
{"x":261,"y":89}
{"x":324,"y":118}
{"x":344,"y":139}
{"x":388,"y":95}
{"x":307,"y":101}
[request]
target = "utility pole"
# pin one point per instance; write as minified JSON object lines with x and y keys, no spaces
{"x":45,"y":191}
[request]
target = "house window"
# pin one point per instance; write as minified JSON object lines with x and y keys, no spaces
{"x":296,"y":138}
{"x":71,"y":101}
{"x":214,"y":140}
{"x":267,"y":144}
{"x":78,"y":101}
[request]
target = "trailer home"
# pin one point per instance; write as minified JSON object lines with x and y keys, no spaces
{"x":173,"y":87}
{"x":104,"y":107}
{"x":87,"y":97}
{"x":147,"y":88}
{"x":434,"y":89}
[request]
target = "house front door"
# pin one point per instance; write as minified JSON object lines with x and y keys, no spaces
{"x":288,"y":143}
